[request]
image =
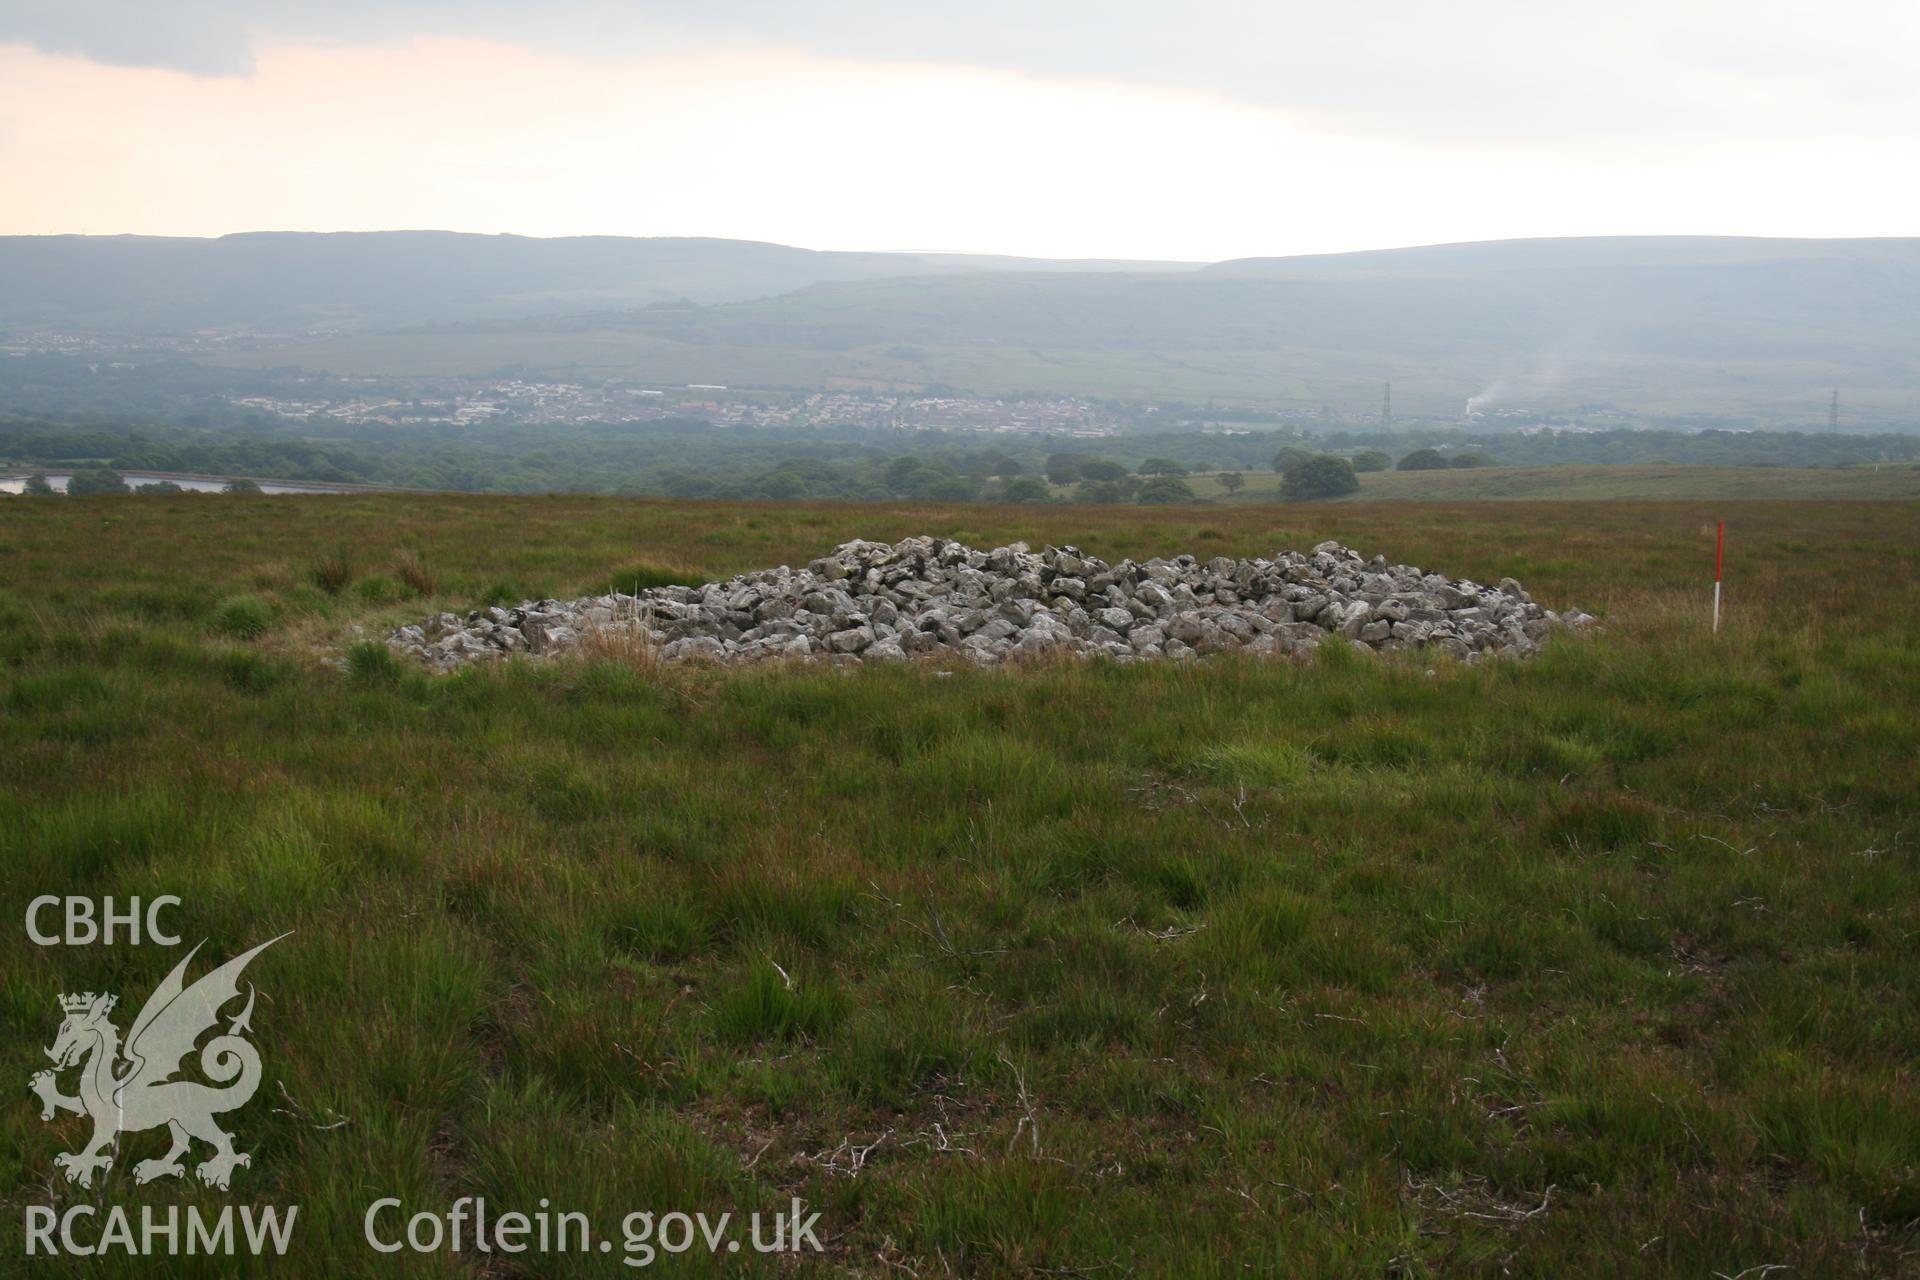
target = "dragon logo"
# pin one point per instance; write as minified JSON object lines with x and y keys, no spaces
{"x":130,"y":1089}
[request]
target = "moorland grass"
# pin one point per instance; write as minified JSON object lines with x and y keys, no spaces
{"x":1600,"y":963}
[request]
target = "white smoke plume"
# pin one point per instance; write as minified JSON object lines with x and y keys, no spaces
{"x":1545,"y":372}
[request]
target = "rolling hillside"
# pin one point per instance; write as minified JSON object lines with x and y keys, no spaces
{"x":1662,"y":325}
{"x":360,"y":280}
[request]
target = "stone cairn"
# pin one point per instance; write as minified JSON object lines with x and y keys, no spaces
{"x":871,"y":602}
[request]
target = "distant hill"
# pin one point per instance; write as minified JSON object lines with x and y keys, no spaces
{"x":383,"y":279}
{"x":1822,"y":300}
{"x":1579,"y":253}
{"x":1853,"y":304}
{"x":1662,"y":325}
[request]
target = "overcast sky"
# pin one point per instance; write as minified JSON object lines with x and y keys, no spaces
{"x":1198,"y":130}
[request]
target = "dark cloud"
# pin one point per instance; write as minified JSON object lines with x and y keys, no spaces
{"x":205,"y":37}
{"x":1487,"y":69}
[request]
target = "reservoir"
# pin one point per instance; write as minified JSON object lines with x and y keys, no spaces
{"x":14,"y":483}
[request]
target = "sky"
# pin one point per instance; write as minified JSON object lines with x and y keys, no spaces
{"x":1062,"y":128}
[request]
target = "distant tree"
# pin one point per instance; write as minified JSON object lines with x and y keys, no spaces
{"x":679,"y":484}
{"x":160,"y":487}
{"x":935,"y":476}
{"x":781,"y":485}
{"x":241,"y":486}
{"x":900,"y":473}
{"x":991,"y":462}
{"x":1324,"y":476}
{"x":1100,"y":491}
{"x":1288,"y":455}
{"x":815,"y":471}
{"x":1160,"y":467}
{"x":1472,"y":458}
{"x":1101,"y":469}
{"x":1423,"y":460}
{"x":1026,"y":489}
{"x":1232,"y":481}
{"x":38,"y":487}
{"x":950,"y":489}
{"x":1372,"y":460}
{"x":94,"y":482}
{"x":1064,"y":468}
{"x":1163,"y":490}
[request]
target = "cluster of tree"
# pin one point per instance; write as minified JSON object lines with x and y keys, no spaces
{"x":170,"y":389}
{"x":1290,"y":456}
{"x":1151,"y":490}
{"x":1434,"y":460}
{"x":1318,"y":475}
{"x":1627,"y":447}
{"x":1307,"y":476}
{"x":93,"y":482}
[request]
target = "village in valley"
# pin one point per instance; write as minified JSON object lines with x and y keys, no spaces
{"x":520,"y":400}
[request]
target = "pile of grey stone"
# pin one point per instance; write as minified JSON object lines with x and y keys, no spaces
{"x":874,"y":602}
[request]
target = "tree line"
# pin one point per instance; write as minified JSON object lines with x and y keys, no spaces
{"x":691,"y":458}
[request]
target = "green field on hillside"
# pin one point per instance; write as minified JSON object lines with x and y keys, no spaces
{"x":1597,"y":964}
{"x":1609,"y":483}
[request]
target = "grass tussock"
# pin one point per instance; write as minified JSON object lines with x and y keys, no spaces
{"x":1600,"y":962}
{"x":245,"y":617}
{"x":415,"y":573}
{"x":371,"y":662}
{"x":625,"y":642}
{"x":333,"y":571}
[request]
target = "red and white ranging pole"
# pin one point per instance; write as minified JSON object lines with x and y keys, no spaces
{"x":1719,"y":555}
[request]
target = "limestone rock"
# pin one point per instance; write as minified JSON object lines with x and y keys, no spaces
{"x":924,"y":596}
